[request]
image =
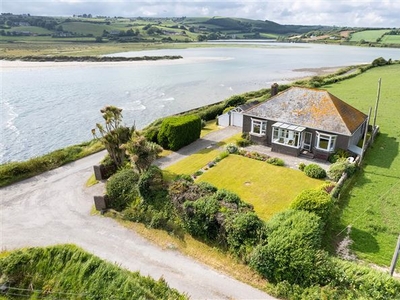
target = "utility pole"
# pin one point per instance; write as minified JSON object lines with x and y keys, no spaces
{"x":376,"y":109}
{"x":395,"y":257}
{"x":377,"y":101}
{"x":365,"y":137}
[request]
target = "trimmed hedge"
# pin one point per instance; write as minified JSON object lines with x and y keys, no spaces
{"x":177,"y":132}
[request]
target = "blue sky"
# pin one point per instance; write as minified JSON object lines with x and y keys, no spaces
{"x":362,"y":13}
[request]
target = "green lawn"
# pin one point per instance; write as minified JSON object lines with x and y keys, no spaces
{"x":197,"y":161}
{"x":372,"y":206}
{"x":269,"y":188}
{"x":368,"y":35}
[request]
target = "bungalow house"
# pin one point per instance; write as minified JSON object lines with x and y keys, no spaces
{"x":303,"y":120}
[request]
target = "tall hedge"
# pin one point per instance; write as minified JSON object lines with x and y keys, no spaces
{"x":179,"y":131}
{"x":292,"y":252}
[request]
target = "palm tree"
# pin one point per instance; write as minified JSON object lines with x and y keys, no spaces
{"x":141,"y":152}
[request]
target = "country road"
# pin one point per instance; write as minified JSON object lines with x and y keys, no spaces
{"x":54,"y":208}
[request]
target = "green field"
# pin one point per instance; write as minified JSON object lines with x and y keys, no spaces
{"x":368,"y":35}
{"x":33,"y":29}
{"x":372,"y":207}
{"x":391,"y":39}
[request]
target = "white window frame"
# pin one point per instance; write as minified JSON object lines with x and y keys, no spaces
{"x":287,"y":135}
{"x":330,"y":141}
{"x":261,"y":124}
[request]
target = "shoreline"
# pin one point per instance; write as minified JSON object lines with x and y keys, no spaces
{"x":21,"y":64}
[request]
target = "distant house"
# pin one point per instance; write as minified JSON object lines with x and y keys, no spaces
{"x":303,"y":120}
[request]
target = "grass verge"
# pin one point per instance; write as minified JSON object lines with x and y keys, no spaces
{"x":16,"y":171}
{"x":68,"y":272}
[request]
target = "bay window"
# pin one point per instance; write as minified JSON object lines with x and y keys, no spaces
{"x":258,"y":127}
{"x":325,"y":141}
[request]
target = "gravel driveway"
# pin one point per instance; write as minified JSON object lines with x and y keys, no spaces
{"x":54,"y":208}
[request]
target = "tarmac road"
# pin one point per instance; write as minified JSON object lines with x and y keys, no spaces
{"x":54,"y":208}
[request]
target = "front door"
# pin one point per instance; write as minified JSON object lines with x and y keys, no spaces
{"x":307,"y":141}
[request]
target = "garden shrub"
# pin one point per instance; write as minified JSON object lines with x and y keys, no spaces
{"x":198,"y":173}
{"x":207,"y":187}
{"x":316,"y":201}
{"x":302,"y":166}
{"x":292,"y":252}
{"x":232,"y":149}
{"x":243,"y":142}
{"x":182,"y":190}
{"x":336,"y":169}
{"x":243,"y":232}
{"x":122,"y":188}
{"x":222,"y":155}
{"x":211,"y":112}
{"x":339,"y":154}
{"x":151,"y":133}
{"x":234,"y":101}
{"x":227,"y":196}
{"x":176,"y":132}
{"x":150,"y":182}
{"x":200,"y":218}
{"x":276,"y":161}
{"x":227,"y":109}
{"x":314,"y":171}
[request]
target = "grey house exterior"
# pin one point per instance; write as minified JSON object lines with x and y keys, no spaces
{"x":305,"y":121}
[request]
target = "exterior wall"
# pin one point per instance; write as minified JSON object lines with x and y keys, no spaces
{"x":357,"y":135}
{"x":223,"y":120}
{"x":342,"y":141}
{"x":246,"y":124}
{"x":285,"y":150}
{"x":260,"y":140}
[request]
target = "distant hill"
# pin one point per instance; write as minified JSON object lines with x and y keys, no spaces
{"x":184,"y":29}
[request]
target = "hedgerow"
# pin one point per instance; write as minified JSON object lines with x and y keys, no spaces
{"x":176,"y":132}
{"x":66,"y":271}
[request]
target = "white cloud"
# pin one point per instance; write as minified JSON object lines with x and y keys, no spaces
{"x":371,"y":13}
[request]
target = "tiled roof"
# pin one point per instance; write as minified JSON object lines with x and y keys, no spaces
{"x":312,"y":108}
